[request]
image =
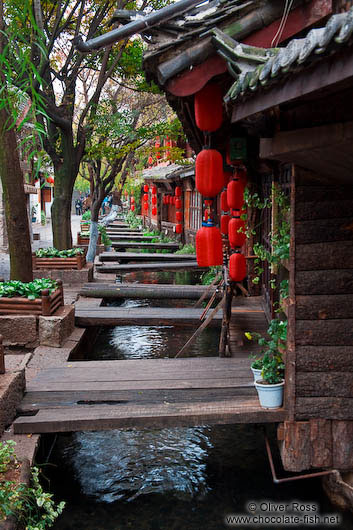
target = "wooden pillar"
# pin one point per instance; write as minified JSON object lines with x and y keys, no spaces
{"x":2,"y":356}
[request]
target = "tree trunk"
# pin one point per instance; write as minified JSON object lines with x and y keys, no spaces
{"x":13,"y":193}
{"x":65,"y":176}
{"x":93,"y":234}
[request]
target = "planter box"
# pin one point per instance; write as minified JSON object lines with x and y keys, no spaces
{"x":84,"y":225}
{"x":46,"y":305}
{"x":76,"y":262}
{"x":83,"y":240}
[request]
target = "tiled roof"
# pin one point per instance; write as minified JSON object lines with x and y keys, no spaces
{"x":164,"y":172}
{"x":254,"y":68}
{"x":195,"y":22}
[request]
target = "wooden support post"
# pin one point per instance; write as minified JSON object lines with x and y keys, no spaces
{"x":227,"y":315}
{"x":201,"y":299}
{"x":45,"y":302}
{"x":2,"y":356}
{"x":61,"y":288}
{"x":202,"y":327}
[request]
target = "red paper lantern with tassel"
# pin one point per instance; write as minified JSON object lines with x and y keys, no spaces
{"x":132,"y":207}
{"x":237,"y":267}
{"x":209,"y":246}
{"x":178,"y":204}
{"x":154,"y":200}
{"x":236,"y":238}
{"x":209,"y":172}
{"x":146,"y":188}
{"x":224,"y":224}
{"x":235,"y":194}
{"x":208,"y":104}
{"x":154,"y":210}
{"x":178,"y":191}
{"x":178,"y":228}
{"x":179,"y":216}
{"x":224,"y":202}
{"x":154,"y":190}
{"x":145,"y":197}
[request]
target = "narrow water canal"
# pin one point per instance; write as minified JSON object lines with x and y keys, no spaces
{"x":174,"y":478}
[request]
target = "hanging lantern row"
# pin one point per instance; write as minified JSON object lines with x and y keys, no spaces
{"x":145,"y":197}
{"x":154,"y":200}
{"x":237,"y":267}
{"x":132,"y":203}
{"x":178,"y":206}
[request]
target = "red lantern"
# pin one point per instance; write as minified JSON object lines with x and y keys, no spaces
{"x":178,"y":228}
{"x":224,"y":203}
{"x":154,"y":210}
{"x":209,"y":172}
{"x":177,"y":203}
{"x":146,"y":188}
{"x":154,"y":190}
{"x":236,"y":238}
{"x":235,"y":194}
{"x":172,"y":199}
{"x":150,"y":161}
{"x":237,"y":267}
{"x":209,"y":246}
{"x":132,"y":200}
{"x":178,"y":191}
{"x":224,"y":224}
{"x":179,"y":216}
{"x":145,"y":205}
{"x":209,"y":107}
{"x":132,"y":207}
{"x":145,"y":197}
{"x":154,"y":200}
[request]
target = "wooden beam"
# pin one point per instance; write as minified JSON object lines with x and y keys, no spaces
{"x":331,"y":73}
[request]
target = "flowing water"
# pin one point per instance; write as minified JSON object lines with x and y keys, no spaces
{"x":172,"y":478}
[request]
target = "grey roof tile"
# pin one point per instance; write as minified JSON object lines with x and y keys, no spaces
{"x":282,"y":61}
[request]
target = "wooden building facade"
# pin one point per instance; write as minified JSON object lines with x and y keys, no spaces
{"x":292,"y":106}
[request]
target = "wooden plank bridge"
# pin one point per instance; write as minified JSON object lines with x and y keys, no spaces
{"x":125,"y":257}
{"x":154,"y":393}
{"x":160,"y":266}
{"x":138,"y":290}
{"x":140,"y":245}
{"x":140,"y":316}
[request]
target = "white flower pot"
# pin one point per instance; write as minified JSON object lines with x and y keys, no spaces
{"x":270,"y":396}
{"x":256,"y":373}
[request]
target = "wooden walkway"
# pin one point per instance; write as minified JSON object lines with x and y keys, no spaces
{"x":125,"y":257}
{"x":140,"y":316}
{"x":138,"y":290}
{"x":153,"y":393}
{"x":139,"y":238}
{"x":150,"y":246}
{"x":186,"y":265}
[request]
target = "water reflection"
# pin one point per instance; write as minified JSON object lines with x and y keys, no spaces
{"x":151,"y":342}
{"x":126,"y":464}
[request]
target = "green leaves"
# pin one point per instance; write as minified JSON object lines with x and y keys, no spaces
{"x":30,"y":290}
{"x":51,"y":252}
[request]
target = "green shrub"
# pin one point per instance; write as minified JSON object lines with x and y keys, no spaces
{"x":186,"y":249}
{"x":52,"y":252}
{"x":208,"y":276}
{"x":43,"y":219}
{"x":105,"y":238}
{"x":33,"y":508}
{"x":87,"y":215}
{"x":30,"y":290}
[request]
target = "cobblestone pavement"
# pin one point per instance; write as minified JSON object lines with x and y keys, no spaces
{"x":45,"y":240}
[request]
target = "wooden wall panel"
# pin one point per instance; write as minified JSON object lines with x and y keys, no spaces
{"x":325,"y":256}
{"x":324,"y":307}
{"x":326,"y":282}
{"x":324,"y":359}
{"x":324,"y":384}
{"x":324,"y":332}
{"x":323,"y":230}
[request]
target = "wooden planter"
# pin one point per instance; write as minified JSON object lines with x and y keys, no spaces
{"x":46,"y":305}
{"x":76,"y":262}
{"x":84,"y":240}
{"x":84,"y":224}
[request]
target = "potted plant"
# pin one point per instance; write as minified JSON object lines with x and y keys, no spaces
{"x":52,"y":258}
{"x":256,"y":368}
{"x":271,"y":381}
{"x":107,"y":242}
